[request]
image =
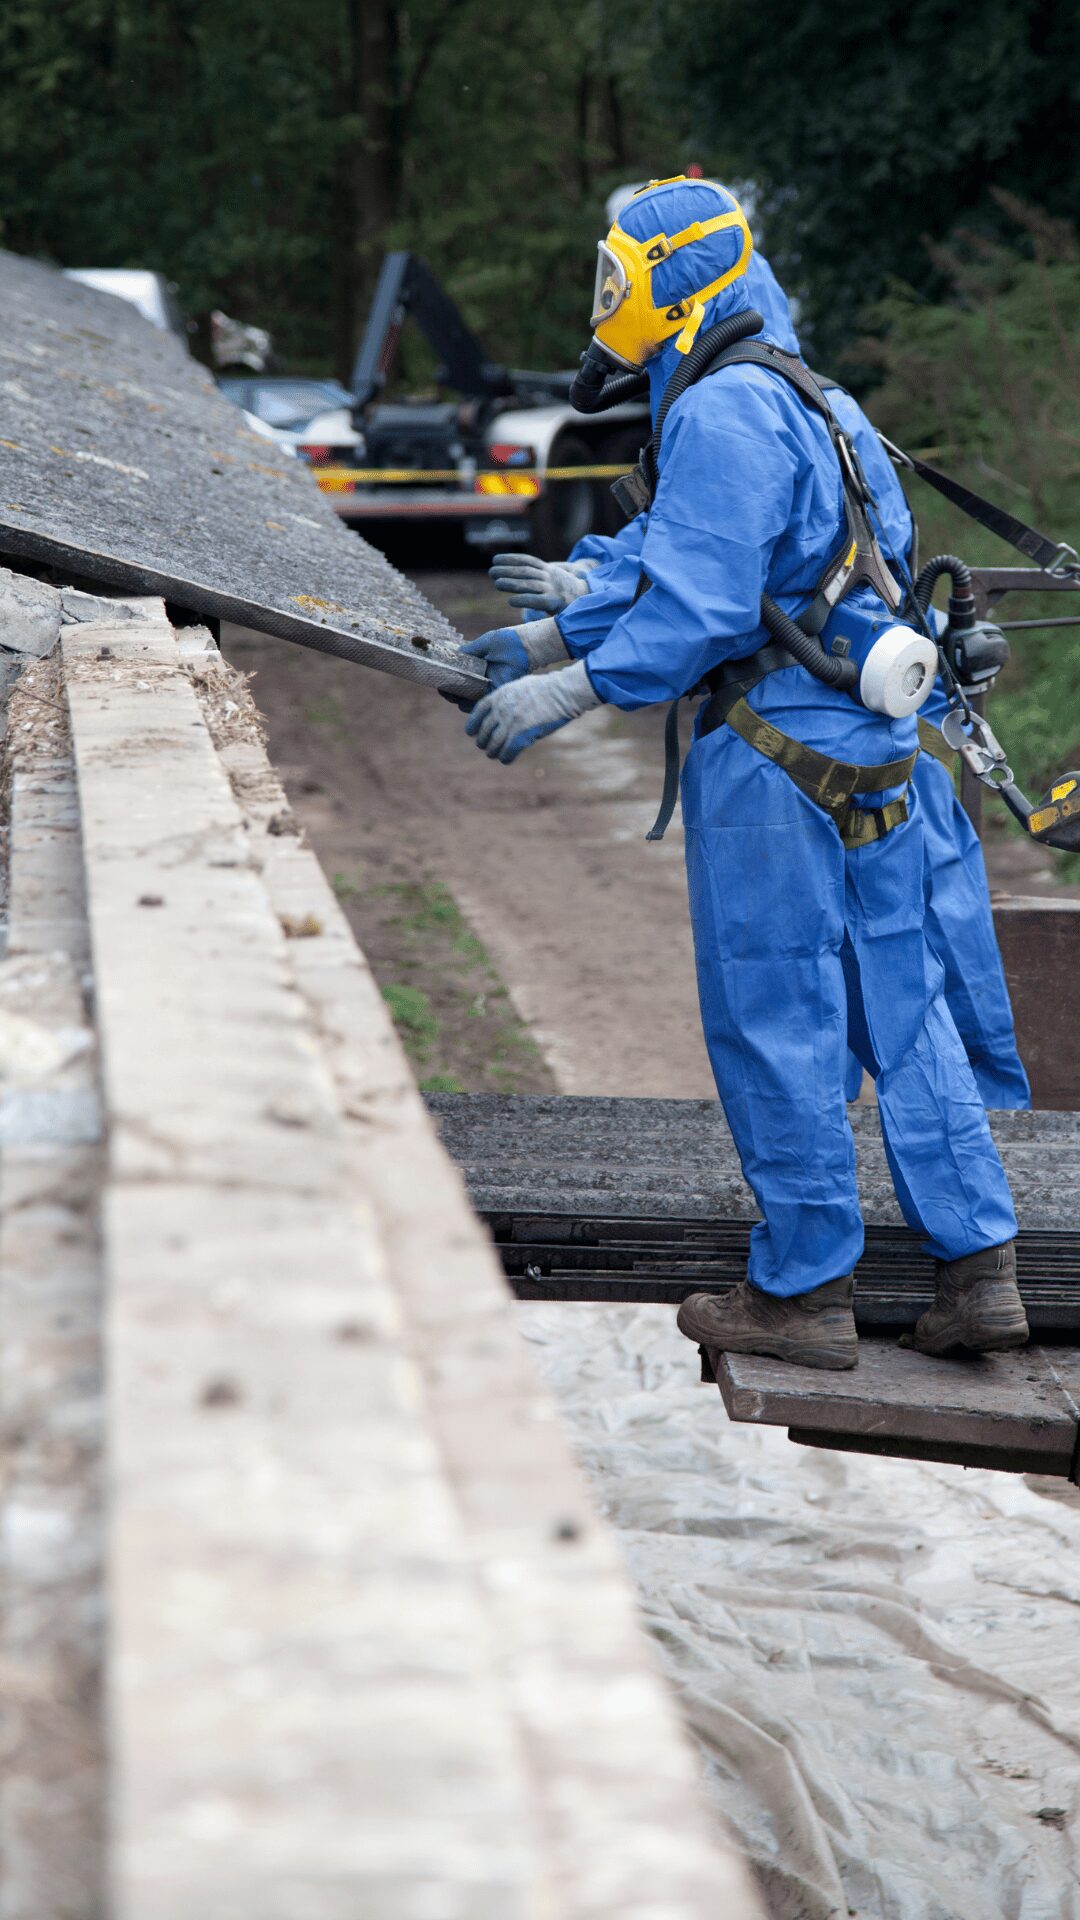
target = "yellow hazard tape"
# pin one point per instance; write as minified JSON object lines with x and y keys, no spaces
{"x":333,"y":479}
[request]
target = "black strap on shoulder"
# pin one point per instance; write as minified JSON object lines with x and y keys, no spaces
{"x":860,"y":557}
{"x":1052,"y":554}
{"x":1055,"y":555}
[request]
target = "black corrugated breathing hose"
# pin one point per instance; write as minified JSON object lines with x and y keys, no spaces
{"x":961,"y":599}
{"x":807,"y":649}
{"x":596,"y":385}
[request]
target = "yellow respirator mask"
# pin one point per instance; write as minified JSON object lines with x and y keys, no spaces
{"x":624,"y":318}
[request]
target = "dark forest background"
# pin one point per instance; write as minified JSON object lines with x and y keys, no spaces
{"x":913,"y":171}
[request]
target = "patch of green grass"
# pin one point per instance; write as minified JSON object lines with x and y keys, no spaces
{"x":344,"y":888}
{"x":415,"y":1018}
{"x":461,"y":1024}
{"x":431,"y":906}
{"x":328,"y":712}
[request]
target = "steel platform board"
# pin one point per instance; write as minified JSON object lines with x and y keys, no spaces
{"x":120,"y":462}
{"x":1017,"y":1412}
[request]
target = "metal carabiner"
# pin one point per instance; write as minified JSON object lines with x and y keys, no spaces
{"x":980,"y":749}
{"x":1065,"y":561}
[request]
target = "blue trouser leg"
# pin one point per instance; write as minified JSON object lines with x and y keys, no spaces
{"x":946,"y":1171}
{"x":787,"y":930}
{"x":852,"y":1077}
{"x":960,"y":928}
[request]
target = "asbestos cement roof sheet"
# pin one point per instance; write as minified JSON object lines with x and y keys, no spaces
{"x":121,"y":462}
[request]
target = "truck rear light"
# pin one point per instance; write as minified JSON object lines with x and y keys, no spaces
{"x":504,"y":483}
{"x":316,"y":456}
{"x":505,"y":454}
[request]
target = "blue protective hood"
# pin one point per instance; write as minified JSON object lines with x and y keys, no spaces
{"x":758,"y":287}
{"x":671,"y":208}
{"x":764,"y":292}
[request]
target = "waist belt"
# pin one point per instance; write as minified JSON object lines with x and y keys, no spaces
{"x":829,"y":783}
{"x":931,"y":742}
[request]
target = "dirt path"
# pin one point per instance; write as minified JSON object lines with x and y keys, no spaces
{"x":585,"y":923}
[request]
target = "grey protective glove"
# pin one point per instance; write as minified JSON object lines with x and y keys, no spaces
{"x":543,"y":643}
{"x":506,"y":653}
{"x":545,"y":586}
{"x":511,"y":718}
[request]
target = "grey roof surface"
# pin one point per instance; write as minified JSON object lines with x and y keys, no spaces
{"x":120,"y":461}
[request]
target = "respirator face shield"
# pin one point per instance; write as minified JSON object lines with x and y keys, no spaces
{"x":611,"y":292}
{"x":612,"y":284}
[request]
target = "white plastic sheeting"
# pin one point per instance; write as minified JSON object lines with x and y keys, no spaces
{"x":879,"y":1659}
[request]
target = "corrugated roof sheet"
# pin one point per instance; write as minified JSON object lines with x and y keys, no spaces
{"x":120,"y":461}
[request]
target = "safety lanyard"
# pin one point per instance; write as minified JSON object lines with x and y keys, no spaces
{"x":1055,"y":555}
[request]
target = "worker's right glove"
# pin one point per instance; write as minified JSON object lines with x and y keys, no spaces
{"x":546,"y":586}
{"x":512,"y":717}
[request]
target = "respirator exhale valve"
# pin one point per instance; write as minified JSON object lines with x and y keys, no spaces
{"x":898,"y":672}
{"x":892,"y":666}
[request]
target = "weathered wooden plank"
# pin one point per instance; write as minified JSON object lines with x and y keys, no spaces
{"x":1039,"y":941}
{"x":51,"y":1736}
{"x":1011,"y":1410}
{"x":369,"y":1648}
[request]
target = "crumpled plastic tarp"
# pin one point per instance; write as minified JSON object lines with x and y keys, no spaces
{"x":880,"y":1660}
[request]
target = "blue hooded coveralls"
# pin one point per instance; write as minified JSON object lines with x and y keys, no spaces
{"x":800,"y":944}
{"x":959,"y":920}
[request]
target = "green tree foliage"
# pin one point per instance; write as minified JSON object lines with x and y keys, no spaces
{"x":264,"y":156}
{"x":869,"y":127}
{"x":987,"y":386}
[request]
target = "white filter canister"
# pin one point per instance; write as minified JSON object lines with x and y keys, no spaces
{"x":898,"y":673}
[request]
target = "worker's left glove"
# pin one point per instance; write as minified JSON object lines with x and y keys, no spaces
{"x":547,"y":586}
{"x":516,"y":715}
{"x":507,"y":653}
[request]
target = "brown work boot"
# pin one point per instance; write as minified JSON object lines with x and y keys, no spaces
{"x":977,"y":1305}
{"x":814,"y":1329}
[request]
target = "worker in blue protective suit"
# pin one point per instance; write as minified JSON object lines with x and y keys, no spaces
{"x":807,"y":911}
{"x":959,"y":919}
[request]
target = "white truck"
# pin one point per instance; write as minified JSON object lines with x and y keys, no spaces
{"x":492,"y":458}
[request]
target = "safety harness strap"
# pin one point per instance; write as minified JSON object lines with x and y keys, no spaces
{"x":829,"y":783}
{"x":1052,"y":554}
{"x":861,"y":826}
{"x":727,"y":683}
{"x":931,"y":742}
{"x":860,"y":557}
{"x":672,"y":766}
